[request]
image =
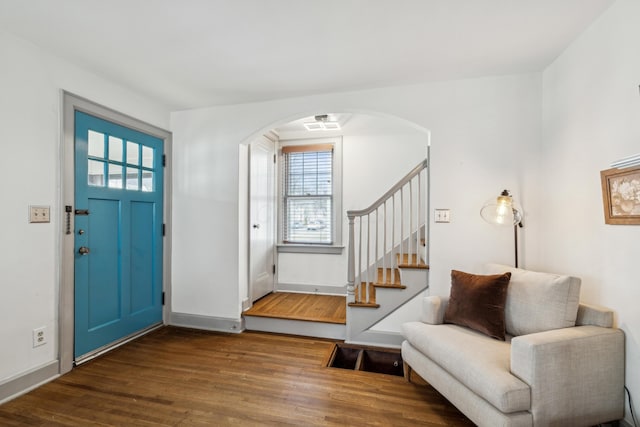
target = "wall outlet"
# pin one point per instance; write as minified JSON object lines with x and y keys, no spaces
{"x":39,"y":336}
{"x":39,"y":214}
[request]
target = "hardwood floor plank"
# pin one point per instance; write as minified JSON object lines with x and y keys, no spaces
{"x":183,"y":377}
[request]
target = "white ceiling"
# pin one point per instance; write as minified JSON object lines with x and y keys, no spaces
{"x":194,"y":53}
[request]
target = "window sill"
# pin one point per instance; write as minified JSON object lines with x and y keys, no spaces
{"x":310,"y":249}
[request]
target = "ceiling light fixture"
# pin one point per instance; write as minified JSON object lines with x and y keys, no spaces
{"x":322,"y":122}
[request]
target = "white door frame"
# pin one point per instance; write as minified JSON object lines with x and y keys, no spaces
{"x":66,"y":314}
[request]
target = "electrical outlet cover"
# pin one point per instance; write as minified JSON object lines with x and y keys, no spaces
{"x":39,"y":336}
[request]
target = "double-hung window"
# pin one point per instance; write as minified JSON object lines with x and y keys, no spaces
{"x":308,"y":214}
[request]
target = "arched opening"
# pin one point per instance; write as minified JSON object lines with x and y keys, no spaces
{"x":372,"y":152}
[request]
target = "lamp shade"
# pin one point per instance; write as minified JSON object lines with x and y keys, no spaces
{"x":502,"y":210}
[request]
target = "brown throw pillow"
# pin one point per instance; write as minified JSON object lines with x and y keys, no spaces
{"x":477,"y":302}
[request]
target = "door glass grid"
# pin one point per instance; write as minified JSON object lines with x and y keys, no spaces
{"x":107,"y":167}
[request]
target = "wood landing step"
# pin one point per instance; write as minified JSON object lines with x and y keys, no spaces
{"x":320,"y":316}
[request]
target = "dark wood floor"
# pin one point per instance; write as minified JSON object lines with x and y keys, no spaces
{"x":183,"y":377}
{"x":297,"y":306}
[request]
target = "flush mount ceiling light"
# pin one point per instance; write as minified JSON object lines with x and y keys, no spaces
{"x":322,"y":122}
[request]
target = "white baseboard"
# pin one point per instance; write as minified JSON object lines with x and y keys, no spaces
{"x":209,"y":323}
{"x":312,"y":289}
{"x":27,"y":381}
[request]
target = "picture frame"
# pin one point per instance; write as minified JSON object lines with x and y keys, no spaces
{"x":621,"y":195}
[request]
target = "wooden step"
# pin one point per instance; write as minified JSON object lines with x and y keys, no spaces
{"x":392,"y":280}
{"x":410,"y":261}
{"x":361,"y":297}
{"x":389,"y":284}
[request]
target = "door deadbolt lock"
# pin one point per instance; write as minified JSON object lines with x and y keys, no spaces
{"x":256,"y":226}
{"x":83,"y":250}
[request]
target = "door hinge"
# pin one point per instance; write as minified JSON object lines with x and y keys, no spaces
{"x":164,"y":229}
{"x":274,"y":269}
{"x":163,"y":298}
{"x":274,"y":158}
{"x":164,"y":160}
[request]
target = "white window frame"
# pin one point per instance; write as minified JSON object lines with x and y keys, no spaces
{"x":336,"y":247}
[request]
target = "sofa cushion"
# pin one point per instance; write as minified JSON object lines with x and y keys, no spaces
{"x":538,"y":302}
{"x":477,"y":302}
{"x":477,"y":361}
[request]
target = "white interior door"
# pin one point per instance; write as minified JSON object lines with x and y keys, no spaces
{"x":262,"y":217}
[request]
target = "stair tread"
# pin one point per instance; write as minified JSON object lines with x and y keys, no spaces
{"x":361,"y":294}
{"x":393,"y":276}
{"x":389,"y":286}
{"x":410,"y":261}
{"x":364,"y":304}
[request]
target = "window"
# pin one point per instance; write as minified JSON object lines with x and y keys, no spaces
{"x":310,"y":213}
{"x":307,"y":194}
{"x":119,"y":160}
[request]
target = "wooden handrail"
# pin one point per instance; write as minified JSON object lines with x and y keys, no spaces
{"x":408,"y":177}
{"x":354,"y":293}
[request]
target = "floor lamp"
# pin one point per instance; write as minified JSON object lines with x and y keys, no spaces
{"x":503,"y":210}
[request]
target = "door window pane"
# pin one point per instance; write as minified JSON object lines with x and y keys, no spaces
{"x":96,"y":144}
{"x":115,"y":176}
{"x":115,"y":149}
{"x":132,"y":178}
{"x":96,"y":173}
{"x":147,"y":180}
{"x":147,"y":157}
{"x":133,"y":155}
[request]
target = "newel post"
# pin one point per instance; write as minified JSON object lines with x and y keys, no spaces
{"x":351,"y":268}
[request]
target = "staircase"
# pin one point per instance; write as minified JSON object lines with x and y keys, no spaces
{"x":387,"y":258}
{"x":387,"y":267}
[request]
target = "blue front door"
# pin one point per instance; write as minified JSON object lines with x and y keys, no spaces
{"x":118,"y":232}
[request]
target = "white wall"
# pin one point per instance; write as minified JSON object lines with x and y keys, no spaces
{"x":30,"y":107}
{"x":377,"y":151}
{"x":591,"y":118}
{"x":483,"y":131}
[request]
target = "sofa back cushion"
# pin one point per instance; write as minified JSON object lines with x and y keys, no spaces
{"x":538,"y":302}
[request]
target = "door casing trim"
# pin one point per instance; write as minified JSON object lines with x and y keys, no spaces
{"x":66,"y":315}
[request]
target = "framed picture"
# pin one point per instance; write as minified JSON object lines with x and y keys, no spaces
{"x":621,"y":195}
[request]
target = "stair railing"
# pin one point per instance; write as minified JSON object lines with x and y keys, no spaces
{"x":399,"y":216}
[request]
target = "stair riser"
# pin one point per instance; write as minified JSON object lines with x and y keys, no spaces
{"x":296,"y":327}
{"x":411,"y":277}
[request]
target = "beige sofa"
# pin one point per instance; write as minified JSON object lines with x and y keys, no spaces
{"x":562,"y":363}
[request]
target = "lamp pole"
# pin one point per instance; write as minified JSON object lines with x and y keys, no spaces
{"x":515,"y":239}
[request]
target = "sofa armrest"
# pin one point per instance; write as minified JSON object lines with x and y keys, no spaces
{"x":594,"y":315}
{"x":576,"y":374}
{"x":433,"y":308}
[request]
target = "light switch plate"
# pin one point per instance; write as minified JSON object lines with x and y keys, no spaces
{"x":39,"y":214}
{"x":442,"y":215}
